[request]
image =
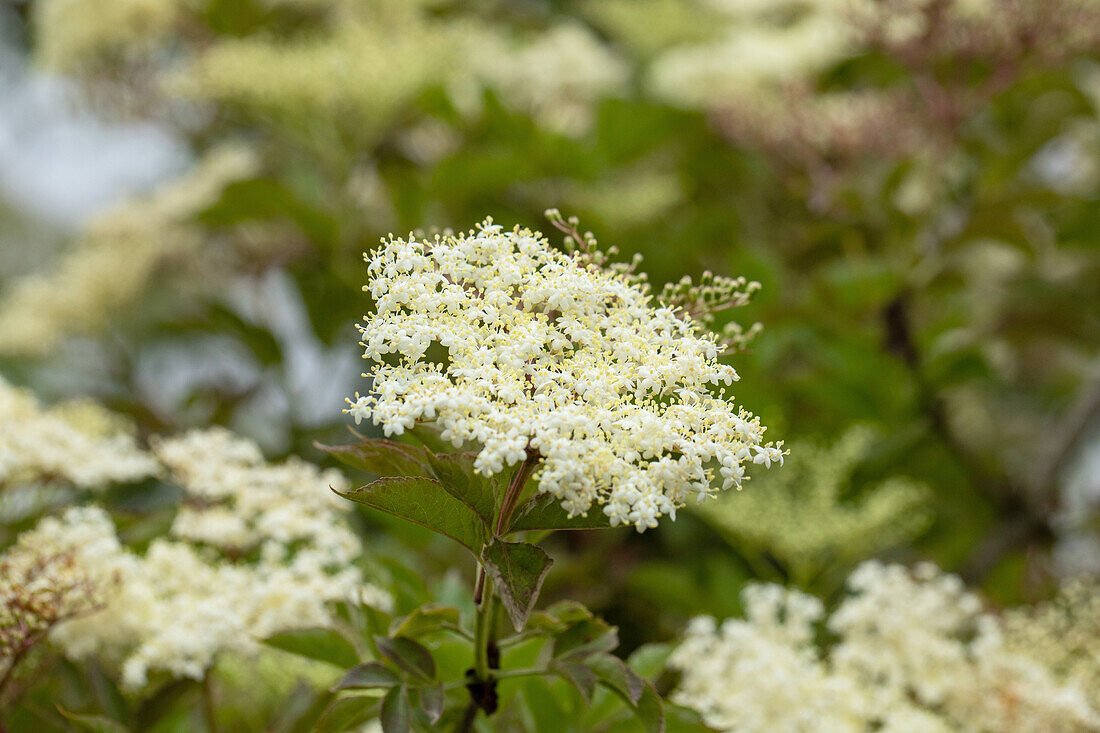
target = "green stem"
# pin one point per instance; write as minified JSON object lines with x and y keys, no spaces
{"x":526,"y":672}
{"x":483,"y":634}
{"x":488,"y":606}
{"x":515,"y":489}
{"x":209,"y":710}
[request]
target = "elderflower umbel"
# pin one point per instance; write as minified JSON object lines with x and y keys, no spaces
{"x":549,"y":353}
{"x":75,"y":442}
{"x":914,"y":651}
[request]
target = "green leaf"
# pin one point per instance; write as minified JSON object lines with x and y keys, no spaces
{"x":407,"y":654}
{"x":299,"y":710}
{"x":456,"y":472}
{"x":579,"y":675}
{"x":383,"y":457}
{"x":93,"y":723}
{"x":568,"y":611}
{"x":367,"y":676}
{"x":428,"y":435}
{"x":650,"y":710}
{"x":679,"y":719}
{"x":395,"y":711}
{"x":544,"y":512}
{"x":584,"y":638}
{"x":346,"y":714}
{"x":517,"y":570}
{"x":424,"y":620}
{"x":324,"y":645}
{"x":614,"y":673}
{"x":424,"y":501}
{"x":558,"y":617}
{"x":649,"y":660}
{"x":431,"y":702}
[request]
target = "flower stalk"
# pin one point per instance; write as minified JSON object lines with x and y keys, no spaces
{"x":488,"y":605}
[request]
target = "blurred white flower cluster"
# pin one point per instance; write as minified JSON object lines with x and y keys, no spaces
{"x":43,"y":582}
{"x":237,"y":502}
{"x":522,"y":348}
{"x":556,"y":77}
{"x":115,"y":259}
{"x":914,"y":653}
{"x":762,"y":46}
{"x":1063,"y":633}
{"x":79,"y":443}
{"x":255,"y":548}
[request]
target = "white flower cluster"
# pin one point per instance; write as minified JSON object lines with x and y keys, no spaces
{"x":76,"y":34}
{"x":915,"y":653}
{"x":1063,"y":633}
{"x":115,"y":258}
{"x":79,"y":443}
{"x":284,"y":555}
{"x":547,"y":353}
{"x":557,"y":77}
{"x":255,"y":549}
{"x":760,"y":49}
{"x":43,"y":581}
{"x":237,"y":502}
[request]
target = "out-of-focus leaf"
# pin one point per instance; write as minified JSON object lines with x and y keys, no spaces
{"x":367,"y":676}
{"x":649,"y":660}
{"x":424,"y":620}
{"x":396,"y":713}
{"x":93,"y":723}
{"x":431,"y":702}
{"x":407,"y":654}
{"x":579,"y":675}
{"x":584,"y":638}
{"x":614,"y":673}
{"x":347,"y":713}
{"x":324,"y":645}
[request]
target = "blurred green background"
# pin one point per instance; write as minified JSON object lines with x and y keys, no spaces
{"x":187,"y":188}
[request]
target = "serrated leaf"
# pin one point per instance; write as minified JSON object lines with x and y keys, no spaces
{"x":544,"y":511}
{"x":614,"y":673}
{"x":431,"y":702}
{"x":380,"y":456}
{"x":424,"y":620}
{"x":650,"y":710}
{"x":456,"y":472}
{"x":346,"y":714}
{"x":517,"y":570}
{"x":579,"y":675}
{"x":93,"y":723}
{"x":407,"y":654}
{"x":584,"y":638}
{"x":396,"y":713}
{"x":424,"y":501}
{"x":324,"y":645}
{"x":367,"y":676}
